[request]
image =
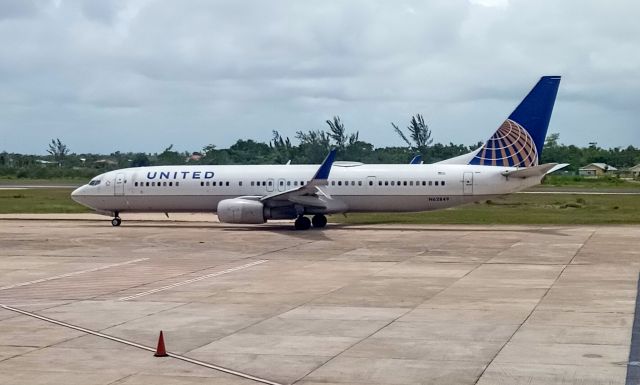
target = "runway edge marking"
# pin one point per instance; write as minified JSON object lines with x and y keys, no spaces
{"x":140,"y":346}
{"x":633,"y":366}
{"x":192,"y":280}
{"x":72,"y":274}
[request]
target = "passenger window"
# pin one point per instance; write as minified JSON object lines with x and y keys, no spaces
{"x":379,"y":183}
{"x":288,"y":183}
{"x":177,"y":184}
{"x":136,"y":184}
{"x":442,"y":183}
{"x":353,"y":183}
{"x":281,"y":183}
{"x":253,"y":183}
{"x":393,"y":183}
{"x":386,"y":182}
{"x":339,"y":183}
{"x":295,"y":182}
{"x":164,"y":184}
{"x":170,"y":183}
{"x":201,"y":183}
{"x":240,"y":183}
{"x":404,"y":183}
{"x":227,"y":183}
{"x":270,"y":183}
{"x":436,"y":183}
{"x":153,"y":184}
{"x":333,"y":182}
{"x":147,"y":184}
{"x":359,"y":183}
{"x":207,"y":184}
{"x":410,"y":183}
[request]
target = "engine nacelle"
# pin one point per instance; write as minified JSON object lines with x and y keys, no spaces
{"x":238,"y":210}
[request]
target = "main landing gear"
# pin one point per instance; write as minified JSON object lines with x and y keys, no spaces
{"x":303,"y":223}
{"x":319,"y":221}
{"x":116,"y":221}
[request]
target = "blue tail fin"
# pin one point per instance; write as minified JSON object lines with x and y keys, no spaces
{"x":519,"y":140}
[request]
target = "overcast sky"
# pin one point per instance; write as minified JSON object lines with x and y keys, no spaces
{"x":138,"y":75}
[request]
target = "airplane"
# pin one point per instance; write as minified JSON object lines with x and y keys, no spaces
{"x":253,"y":194}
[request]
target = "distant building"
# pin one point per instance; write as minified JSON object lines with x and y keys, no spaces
{"x":635,"y":171}
{"x":596,"y":169}
{"x":47,"y":162}
{"x":105,"y":163}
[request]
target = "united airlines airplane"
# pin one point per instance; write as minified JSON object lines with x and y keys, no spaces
{"x":508,"y":162}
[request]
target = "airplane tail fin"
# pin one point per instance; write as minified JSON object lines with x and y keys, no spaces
{"x":519,"y":140}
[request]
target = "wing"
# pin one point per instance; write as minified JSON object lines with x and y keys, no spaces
{"x":308,"y":195}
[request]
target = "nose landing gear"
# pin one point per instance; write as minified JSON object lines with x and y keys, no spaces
{"x":116,"y":221}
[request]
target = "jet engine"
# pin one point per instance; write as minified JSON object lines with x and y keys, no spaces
{"x":239,"y":210}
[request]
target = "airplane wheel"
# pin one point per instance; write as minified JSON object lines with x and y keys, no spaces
{"x":116,"y":221}
{"x":302,"y":223}
{"x":319,"y":221}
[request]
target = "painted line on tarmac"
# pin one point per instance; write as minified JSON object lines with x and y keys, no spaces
{"x":633,"y":366}
{"x":192,"y":280}
{"x":72,"y":274}
{"x":139,"y":346}
{"x":578,"y":193}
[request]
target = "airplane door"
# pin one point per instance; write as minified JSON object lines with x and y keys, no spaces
{"x":119,"y":184}
{"x":281,"y":185}
{"x":270,"y":185}
{"x":467,"y":183}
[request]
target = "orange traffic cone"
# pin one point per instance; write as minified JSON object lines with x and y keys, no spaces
{"x":160,"y":350}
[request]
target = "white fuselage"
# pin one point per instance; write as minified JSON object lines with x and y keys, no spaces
{"x":352,"y":187}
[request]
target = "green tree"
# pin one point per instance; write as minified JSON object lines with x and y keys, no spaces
{"x":249,"y":152}
{"x":170,"y":157}
{"x":419,"y":132}
{"x":58,"y":150}
{"x":339,"y":135}
{"x":140,"y":160}
{"x":552,"y":140}
{"x":281,"y":148}
{"x":314,"y":146}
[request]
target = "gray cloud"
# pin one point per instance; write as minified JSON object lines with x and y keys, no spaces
{"x":141,"y":74}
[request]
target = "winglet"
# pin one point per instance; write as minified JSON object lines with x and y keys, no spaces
{"x":325,"y":167}
{"x":416,"y":159}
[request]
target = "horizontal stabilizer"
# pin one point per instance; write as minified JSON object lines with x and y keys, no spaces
{"x":530,"y":171}
{"x":557,"y":167}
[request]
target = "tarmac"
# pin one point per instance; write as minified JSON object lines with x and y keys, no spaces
{"x":83,"y":302}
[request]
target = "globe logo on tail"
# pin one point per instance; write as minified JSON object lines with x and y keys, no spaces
{"x":510,"y":146}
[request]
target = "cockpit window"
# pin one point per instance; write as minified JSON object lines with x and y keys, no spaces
{"x":94,"y":182}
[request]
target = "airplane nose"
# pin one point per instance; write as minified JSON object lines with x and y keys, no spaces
{"x":75,"y":195}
